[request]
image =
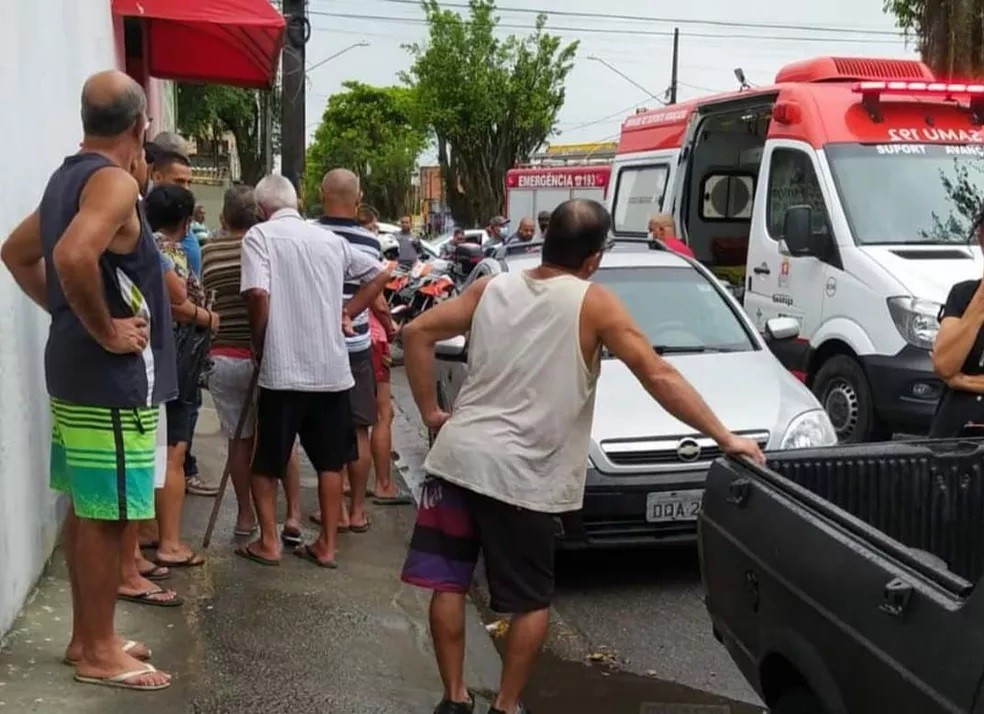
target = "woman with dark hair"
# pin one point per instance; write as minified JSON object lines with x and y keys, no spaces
{"x":169,"y":210}
{"x":958,"y":355}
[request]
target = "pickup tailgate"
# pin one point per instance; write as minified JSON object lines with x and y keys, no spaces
{"x":797,"y":586}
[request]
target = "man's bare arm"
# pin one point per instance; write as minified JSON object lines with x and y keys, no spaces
{"x":380,"y":308}
{"x":450,"y":318}
{"x":106,"y":205}
{"x":604,"y":316}
{"x":967,"y":382}
{"x":258,"y":307}
{"x":366,"y":294}
{"x":956,"y":337}
{"x":23,"y":254}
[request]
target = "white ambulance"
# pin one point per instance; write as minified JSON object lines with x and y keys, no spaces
{"x":842,"y":195}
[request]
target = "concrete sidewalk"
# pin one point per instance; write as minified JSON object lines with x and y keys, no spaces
{"x":254,"y":639}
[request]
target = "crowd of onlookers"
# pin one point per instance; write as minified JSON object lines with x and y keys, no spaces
{"x":280,"y":319}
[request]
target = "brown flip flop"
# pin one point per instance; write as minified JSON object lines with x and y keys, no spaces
{"x":189,"y":562}
{"x":305,"y":553}
{"x":147,"y":598}
{"x":249,"y":555}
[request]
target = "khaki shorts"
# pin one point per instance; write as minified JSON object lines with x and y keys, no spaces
{"x":229,"y":383}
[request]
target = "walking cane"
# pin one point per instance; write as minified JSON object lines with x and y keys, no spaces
{"x":243,"y":415}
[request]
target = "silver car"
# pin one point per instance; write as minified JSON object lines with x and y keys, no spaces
{"x":646,"y":469}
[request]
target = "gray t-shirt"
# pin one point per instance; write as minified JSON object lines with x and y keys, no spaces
{"x":408,"y":253}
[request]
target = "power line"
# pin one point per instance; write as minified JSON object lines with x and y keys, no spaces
{"x":700,"y":88}
{"x":669,"y":20}
{"x":612,"y":31}
{"x":609,"y":117}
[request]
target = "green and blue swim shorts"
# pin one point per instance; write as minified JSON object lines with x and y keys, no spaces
{"x":104,"y":459}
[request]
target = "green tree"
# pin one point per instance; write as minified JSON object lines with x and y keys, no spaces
{"x":949,"y":33}
{"x":950,"y":38}
{"x":375,"y":132}
{"x":207,"y":111}
{"x":490,"y":102}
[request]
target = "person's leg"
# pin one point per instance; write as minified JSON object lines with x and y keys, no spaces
{"x":527,"y":633}
{"x":292,"y":492}
{"x":358,"y":472}
{"x":264,"y":489}
{"x":132,"y":583}
{"x":363,"y":408}
{"x":170,"y":505}
{"x":447,"y":625}
{"x":104,"y":500}
{"x":381,"y":442}
{"x":518,"y":547}
{"x":70,"y":535}
{"x":240,"y":453}
{"x":229,"y":385}
{"x":330,"y":501}
{"x":278,"y":414}
{"x":443,"y":552}
{"x":190,"y":462}
{"x":327,"y":434}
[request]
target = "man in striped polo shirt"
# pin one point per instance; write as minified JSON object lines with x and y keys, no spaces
{"x":341,"y":197}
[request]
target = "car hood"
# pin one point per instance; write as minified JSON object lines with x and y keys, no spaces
{"x":927,"y":272}
{"x":749,"y":391}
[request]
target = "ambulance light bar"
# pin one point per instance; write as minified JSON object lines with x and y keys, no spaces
{"x":871,"y":92}
{"x":943,"y":88}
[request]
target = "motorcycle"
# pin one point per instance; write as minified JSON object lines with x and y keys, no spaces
{"x":426,"y":284}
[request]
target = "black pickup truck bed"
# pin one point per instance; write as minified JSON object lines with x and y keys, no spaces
{"x":842,"y":579}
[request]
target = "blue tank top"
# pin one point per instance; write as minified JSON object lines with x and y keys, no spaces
{"x":77,"y":368}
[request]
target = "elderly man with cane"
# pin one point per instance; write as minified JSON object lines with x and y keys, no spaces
{"x":288,"y":265}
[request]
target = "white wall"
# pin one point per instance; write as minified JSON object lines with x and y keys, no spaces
{"x":47,"y":48}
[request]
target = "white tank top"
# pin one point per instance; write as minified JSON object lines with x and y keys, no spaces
{"x":520,"y":428}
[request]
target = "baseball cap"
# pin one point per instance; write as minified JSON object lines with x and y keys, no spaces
{"x":499,"y":221}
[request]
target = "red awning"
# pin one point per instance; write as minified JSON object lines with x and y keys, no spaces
{"x":235,"y":42}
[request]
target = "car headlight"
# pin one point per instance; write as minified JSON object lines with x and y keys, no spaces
{"x":916,"y":320}
{"x":809,"y":430}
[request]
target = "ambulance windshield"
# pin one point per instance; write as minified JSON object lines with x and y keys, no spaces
{"x":909,"y":193}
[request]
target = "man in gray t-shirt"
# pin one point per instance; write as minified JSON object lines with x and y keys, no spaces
{"x":409,"y":245}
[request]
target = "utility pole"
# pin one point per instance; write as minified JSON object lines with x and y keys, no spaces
{"x":676,"y":61}
{"x":267,"y":113}
{"x":294,"y":90}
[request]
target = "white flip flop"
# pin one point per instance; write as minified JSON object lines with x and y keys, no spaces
{"x":127,"y":648}
{"x":119,"y":681}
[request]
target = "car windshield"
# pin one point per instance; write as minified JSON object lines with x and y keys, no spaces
{"x":678,"y":309}
{"x":908,"y":193}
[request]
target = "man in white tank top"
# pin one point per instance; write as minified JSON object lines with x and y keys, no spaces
{"x":513,"y":454}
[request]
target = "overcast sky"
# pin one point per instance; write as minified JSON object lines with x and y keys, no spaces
{"x":598,"y":98}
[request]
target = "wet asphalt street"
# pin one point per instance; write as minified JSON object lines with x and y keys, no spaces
{"x":638,"y":615}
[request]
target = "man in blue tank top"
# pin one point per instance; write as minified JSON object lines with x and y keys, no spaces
{"x":88,"y":258}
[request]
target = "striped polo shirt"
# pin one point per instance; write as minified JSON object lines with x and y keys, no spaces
{"x":367,"y":243}
{"x":222,"y":272}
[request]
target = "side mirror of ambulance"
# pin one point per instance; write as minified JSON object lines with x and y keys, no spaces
{"x":779,"y":329}
{"x":453,"y":349}
{"x":796,"y":232}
